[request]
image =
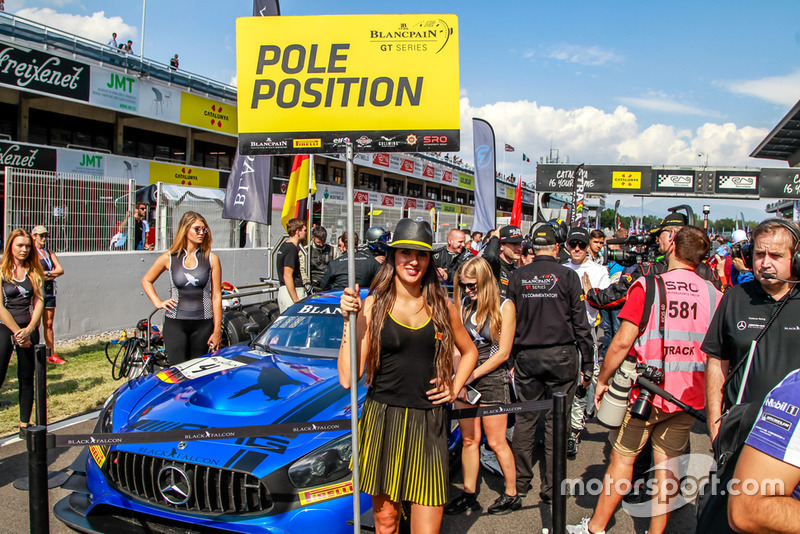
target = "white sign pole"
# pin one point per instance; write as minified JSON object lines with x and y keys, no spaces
{"x":351,"y":282}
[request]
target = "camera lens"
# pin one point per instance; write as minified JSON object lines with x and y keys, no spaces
{"x":643,"y":405}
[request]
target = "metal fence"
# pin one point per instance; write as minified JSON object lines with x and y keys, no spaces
{"x":334,"y":219}
{"x":81,"y":212}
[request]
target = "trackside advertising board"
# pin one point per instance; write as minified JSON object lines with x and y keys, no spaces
{"x":386,"y":83}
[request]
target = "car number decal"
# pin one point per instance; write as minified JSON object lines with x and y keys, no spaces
{"x":197,"y":368}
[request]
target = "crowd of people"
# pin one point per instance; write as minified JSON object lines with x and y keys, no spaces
{"x":536,"y":321}
{"x":704,"y":321}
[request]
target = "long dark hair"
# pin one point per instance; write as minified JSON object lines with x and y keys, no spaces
{"x":383,"y":290}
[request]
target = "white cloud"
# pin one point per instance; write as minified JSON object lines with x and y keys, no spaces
{"x":583,"y":55}
{"x":663,"y":103}
{"x":777,"y":89}
{"x":595,"y":136}
{"x":97,"y":26}
{"x":234,"y":81}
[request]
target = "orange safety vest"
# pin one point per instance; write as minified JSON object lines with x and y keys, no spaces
{"x":691,"y":302}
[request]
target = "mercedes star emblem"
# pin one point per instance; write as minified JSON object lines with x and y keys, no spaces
{"x":174,"y":485}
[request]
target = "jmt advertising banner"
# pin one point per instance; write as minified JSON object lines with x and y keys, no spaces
{"x":386,"y":83}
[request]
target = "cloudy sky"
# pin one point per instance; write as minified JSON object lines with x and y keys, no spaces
{"x":635,"y":82}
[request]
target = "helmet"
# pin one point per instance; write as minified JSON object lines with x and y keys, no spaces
{"x":377,"y":234}
{"x":377,"y":239}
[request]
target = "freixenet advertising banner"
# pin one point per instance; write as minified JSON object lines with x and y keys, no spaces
{"x":386,"y":83}
{"x":40,"y":71}
{"x":36,"y":71}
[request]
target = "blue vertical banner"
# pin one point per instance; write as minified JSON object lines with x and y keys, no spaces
{"x":485,"y":172}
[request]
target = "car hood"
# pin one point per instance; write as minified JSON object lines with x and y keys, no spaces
{"x":237,"y":387}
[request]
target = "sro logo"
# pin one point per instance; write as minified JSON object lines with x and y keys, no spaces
{"x":434,"y":140}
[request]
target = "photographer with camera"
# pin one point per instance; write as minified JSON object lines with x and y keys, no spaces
{"x":667,"y":340}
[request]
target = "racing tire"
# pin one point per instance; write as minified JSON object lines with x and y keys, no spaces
{"x":233,"y":328}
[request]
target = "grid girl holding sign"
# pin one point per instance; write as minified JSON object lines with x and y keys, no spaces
{"x":406,"y":334}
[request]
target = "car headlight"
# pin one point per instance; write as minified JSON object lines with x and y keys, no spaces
{"x":106,"y":425}
{"x":326,"y":464}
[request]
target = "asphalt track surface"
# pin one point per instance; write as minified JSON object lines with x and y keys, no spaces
{"x":590,"y":463}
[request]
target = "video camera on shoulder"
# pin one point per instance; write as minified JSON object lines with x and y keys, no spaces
{"x":643,"y":248}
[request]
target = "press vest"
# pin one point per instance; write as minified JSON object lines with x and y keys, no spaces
{"x":691,"y":302}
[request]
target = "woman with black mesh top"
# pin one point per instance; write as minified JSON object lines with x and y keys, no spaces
{"x":20,"y":313}
{"x":407,"y":332}
{"x":193,"y":322}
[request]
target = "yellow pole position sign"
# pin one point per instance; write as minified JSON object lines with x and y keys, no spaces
{"x":386,"y":83}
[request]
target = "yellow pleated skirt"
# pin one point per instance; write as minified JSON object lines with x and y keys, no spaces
{"x":403,"y":453}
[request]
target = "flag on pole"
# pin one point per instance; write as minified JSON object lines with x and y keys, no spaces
{"x":298,"y":190}
{"x":509,"y":148}
{"x":525,"y":159}
{"x":248,"y":196}
{"x":516,"y":210}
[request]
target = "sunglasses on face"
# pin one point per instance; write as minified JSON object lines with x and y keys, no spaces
{"x":577,"y":244}
{"x":468,"y":287}
{"x":200,"y":229}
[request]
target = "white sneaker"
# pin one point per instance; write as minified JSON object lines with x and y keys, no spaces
{"x":583,"y":528}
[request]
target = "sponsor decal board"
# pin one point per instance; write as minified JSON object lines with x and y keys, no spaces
{"x":115,"y":90}
{"x":208,"y":114}
{"x":780,"y":183}
{"x":33,"y":70}
{"x":183,"y":175}
{"x":387,"y":83}
{"x":736,"y":182}
{"x":26,"y":156}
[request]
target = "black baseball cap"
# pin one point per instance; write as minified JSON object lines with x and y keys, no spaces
{"x":544,"y":235}
{"x":510,"y":234}
{"x":673,"y":219}
{"x":578,"y":234}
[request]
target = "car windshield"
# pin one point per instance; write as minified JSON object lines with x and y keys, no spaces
{"x":309,"y":330}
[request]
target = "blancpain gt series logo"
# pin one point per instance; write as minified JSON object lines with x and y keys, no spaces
{"x":540,"y":283}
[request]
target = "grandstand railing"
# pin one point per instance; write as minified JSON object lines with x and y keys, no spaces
{"x":15,"y":27}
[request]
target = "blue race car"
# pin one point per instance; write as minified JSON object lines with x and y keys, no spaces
{"x":273,"y":484}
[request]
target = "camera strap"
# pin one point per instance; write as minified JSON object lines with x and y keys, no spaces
{"x":662,"y":314}
{"x":751,"y":353}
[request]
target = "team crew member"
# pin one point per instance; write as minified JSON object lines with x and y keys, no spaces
{"x":596,"y":241}
{"x":406,"y":333}
{"x":288,"y":266}
{"x":52,"y":270}
{"x":551,"y":329}
{"x":592,"y":275}
{"x":453,"y":256}
{"x":193,"y":322}
{"x":770,"y":459}
{"x":20,"y":312}
{"x":336,"y":274}
{"x":321,"y":256}
{"x":743,"y":314}
{"x":503,"y":253}
{"x":492,"y":326}
{"x":670,"y":342}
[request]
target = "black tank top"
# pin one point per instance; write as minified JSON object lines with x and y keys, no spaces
{"x":190,"y":287}
{"x":17,"y":299}
{"x":406,"y":366}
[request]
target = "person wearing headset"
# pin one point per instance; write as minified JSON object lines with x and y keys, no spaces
{"x":744,"y":312}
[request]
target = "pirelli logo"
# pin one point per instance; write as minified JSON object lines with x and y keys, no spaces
{"x":98,"y":453}
{"x":306,"y":143}
{"x":326,"y":493}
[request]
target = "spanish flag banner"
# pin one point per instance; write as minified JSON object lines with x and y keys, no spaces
{"x":298,"y":190}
